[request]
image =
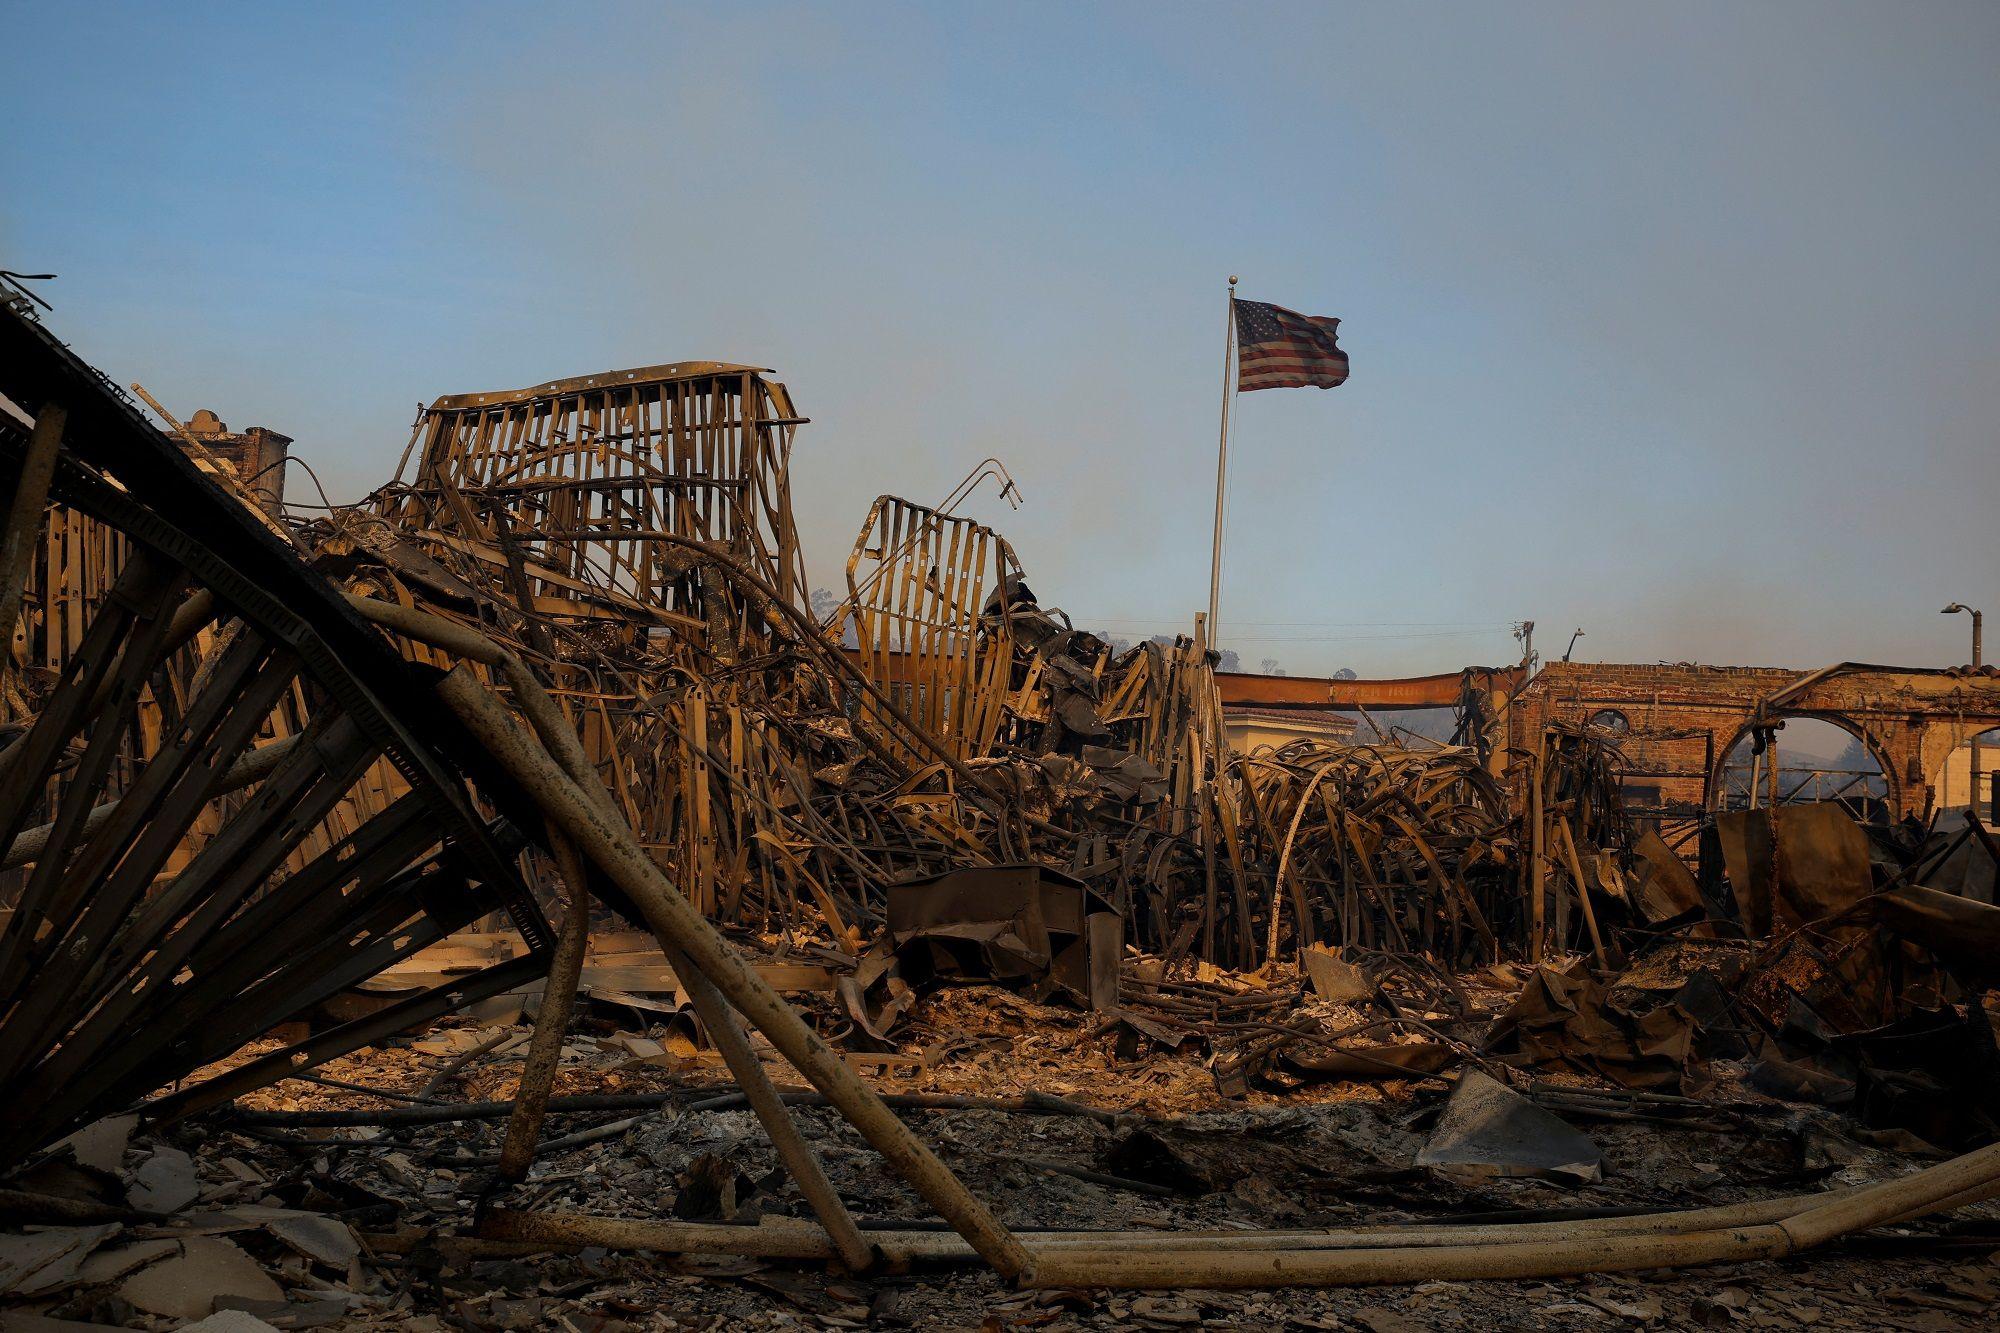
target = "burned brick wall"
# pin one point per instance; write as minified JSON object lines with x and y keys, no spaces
{"x":1676,"y":723}
{"x":258,"y":455}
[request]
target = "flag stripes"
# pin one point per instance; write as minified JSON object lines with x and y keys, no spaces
{"x":1278,"y":348}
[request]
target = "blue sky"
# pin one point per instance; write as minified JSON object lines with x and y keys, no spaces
{"x":1681,"y":324}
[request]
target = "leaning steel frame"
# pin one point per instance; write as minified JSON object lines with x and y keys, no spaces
{"x":214,"y":687}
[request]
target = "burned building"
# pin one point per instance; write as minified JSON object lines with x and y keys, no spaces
{"x":1676,"y":724}
{"x":261,"y":775}
{"x":256,"y":457}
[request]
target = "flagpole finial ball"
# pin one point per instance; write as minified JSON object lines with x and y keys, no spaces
{"x":1232,"y":280}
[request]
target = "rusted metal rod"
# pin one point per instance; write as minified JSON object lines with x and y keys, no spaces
{"x":499,"y":1043}
{"x":724,"y":1029}
{"x":1564,"y":1250}
{"x":1357,"y":1256}
{"x":1030,"y":1102}
{"x":1582,"y":891}
{"x":188,"y":620}
{"x":438,"y":1113}
{"x":1553,"y":1257}
{"x":197,"y":611}
{"x":431,"y":1113}
{"x":538,"y":1071}
{"x":782,"y":1239}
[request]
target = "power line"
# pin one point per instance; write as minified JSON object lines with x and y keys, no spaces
{"x":1315,"y":624}
{"x":1350,"y":638}
{"x":1233,"y":637}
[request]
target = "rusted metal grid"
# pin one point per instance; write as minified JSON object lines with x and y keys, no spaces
{"x":920,"y":584}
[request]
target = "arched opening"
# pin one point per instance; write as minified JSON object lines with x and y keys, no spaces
{"x":1960,"y":783}
{"x":1610,"y":722}
{"x":1816,"y":760}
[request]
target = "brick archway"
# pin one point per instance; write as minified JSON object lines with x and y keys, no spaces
{"x":1877,"y":750}
{"x":1682,"y":718}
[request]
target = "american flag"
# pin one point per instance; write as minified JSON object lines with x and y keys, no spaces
{"x":1278,"y":348}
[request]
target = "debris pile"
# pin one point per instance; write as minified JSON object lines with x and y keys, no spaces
{"x":630,"y":535}
{"x":938,"y":881}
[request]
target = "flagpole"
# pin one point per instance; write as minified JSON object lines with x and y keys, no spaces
{"x":1221,"y":465}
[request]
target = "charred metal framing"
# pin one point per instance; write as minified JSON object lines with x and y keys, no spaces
{"x":132,"y":956}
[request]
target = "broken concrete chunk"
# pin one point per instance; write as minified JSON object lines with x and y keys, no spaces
{"x":639,"y":1048}
{"x":186,"y":1287}
{"x":102,"y":1144}
{"x":1489,"y":1130}
{"x":45,"y":1259}
{"x":321,"y":1239}
{"x":42,"y":1260}
{"x":165,"y":1182}
{"x":61,"y":1176}
{"x":243,"y":1171}
{"x":116,"y":1261}
{"x":287,"y":1314}
{"x":229,"y":1321}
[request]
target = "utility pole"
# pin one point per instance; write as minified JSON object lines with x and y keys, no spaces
{"x":1978,"y":624}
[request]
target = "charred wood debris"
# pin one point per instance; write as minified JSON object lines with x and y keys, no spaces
{"x":378,"y":877}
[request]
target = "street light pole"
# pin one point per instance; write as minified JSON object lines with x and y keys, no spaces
{"x":1978,"y":626}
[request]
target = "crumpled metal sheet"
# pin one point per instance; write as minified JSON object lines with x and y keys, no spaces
{"x":1568,"y":1019}
{"x":1021,"y":923}
{"x":1790,"y":865}
{"x":1963,"y":933}
{"x":1933,"y":1072}
{"x":1662,"y":887}
{"x":1490,"y":1130}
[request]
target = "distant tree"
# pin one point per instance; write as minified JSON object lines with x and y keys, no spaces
{"x":1347,"y":673}
{"x":1230,"y":661}
{"x":1269,"y":666}
{"x":824,"y":603}
{"x":1855,"y":756}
